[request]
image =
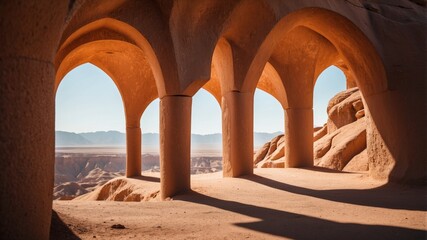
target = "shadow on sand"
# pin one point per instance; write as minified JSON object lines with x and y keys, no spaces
{"x":297,"y":226}
{"x":391,"y":196}
{"x":146,"y":178}
{"x":60,"y":230}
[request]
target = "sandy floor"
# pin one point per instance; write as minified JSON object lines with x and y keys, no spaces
{"x":272,"y":204}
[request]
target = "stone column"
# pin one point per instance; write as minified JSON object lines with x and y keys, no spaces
{"x":299,"y":137}
{"x":175,"y":137}
{"x":237,"y":134}
{"x":27,"y":110}
{"x":133,"y":151}
{"x":27,"y":146}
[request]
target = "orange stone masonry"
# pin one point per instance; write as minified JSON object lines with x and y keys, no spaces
{"x":170,"y":49}
{"x":175,"y":137}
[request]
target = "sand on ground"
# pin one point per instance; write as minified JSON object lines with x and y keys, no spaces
{"x":310,"y":203}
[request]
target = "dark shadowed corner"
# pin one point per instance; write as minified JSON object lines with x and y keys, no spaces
{"x":59,"y":230}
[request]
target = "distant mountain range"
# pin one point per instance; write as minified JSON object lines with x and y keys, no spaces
{"x":115,"y":138}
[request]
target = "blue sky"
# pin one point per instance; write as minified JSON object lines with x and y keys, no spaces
{"x":87,"y":100}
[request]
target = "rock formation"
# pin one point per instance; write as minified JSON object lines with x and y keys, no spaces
{"x":340,"y":144}
{"x":125,"y":189}
{"x":272,"y":154}
{"x":77,"y":173}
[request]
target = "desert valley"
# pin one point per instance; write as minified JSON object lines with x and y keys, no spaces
{"x":83,"y":164}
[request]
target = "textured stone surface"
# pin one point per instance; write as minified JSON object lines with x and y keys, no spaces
{"x":261,"y":153}
{"x":272,"y":154}
{"x":341,"y":110}
{"x":175,"y":137}
{"x":377,"y":43}
{"x":124,"y":189}
{"x":336,"y":149}
{"x":237,"y":134}
{"x":360,"y":162}
{"x":347,"y":143}
{"x":320,"y":133}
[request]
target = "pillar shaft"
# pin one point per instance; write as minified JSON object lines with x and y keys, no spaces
{"x":237,"y":134}
{"x":133,"y":151}
{"x":299,"y":137}
{"x":175,"y":136}
{"x":27,"y":147}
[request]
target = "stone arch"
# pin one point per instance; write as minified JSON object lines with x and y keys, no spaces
{"x":309,"y":30}
{"x":116,"y":58}
{"x":90,"y":72}
{"x":327,"y":87}
{"x":364,"y":61}
{"x":126,"y":56}
{"x":221,"y":79}
{"x":208,"y":98}
{"x":245,"y":34}
{"x":349,"y":75}
{"x":271,"y":83}
{"x":111,"y":29}
{"x":237,"y":107}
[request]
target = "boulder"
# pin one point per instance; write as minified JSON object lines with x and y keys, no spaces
{"x":343,"y":112}
{"x":124,"y":189}
{"x":261,"y":153}
{"x":320,"y":133}
{"x":322,"y":146}
{"x":273,"y":145}
{"x":347,"y":143}
{"x":360,"y":114}
{"x":340,"y":144}
{"x":358,"y":163}
{"x":271,"y":154}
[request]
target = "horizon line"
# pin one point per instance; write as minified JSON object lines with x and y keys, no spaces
{"x":203,"y":134}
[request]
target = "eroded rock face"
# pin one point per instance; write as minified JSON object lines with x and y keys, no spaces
{"x":124,"y":189}
{"x":77,"y":174}
{"x":340,"y":144}
{"x":272,"y":154}
{"x":68,"y":191}
{"x":345,"y":143}
{"x":341,"y":110}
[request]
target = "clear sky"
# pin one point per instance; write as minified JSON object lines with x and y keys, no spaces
{"x":87,"y":100}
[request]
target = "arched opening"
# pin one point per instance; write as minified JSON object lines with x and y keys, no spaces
{"x":150,"y":137}
{"x":330,"y":82}
{"x":89,"y":138}
{"x":303,"y":38}
{"x":339,"y":124}
{"x":126,"y":56}
{"x":206,"y":138}
{"x":268,"y":131}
